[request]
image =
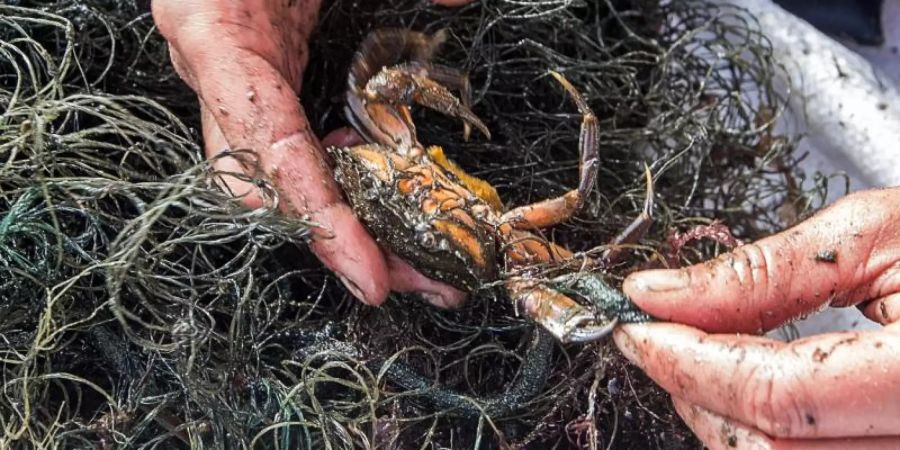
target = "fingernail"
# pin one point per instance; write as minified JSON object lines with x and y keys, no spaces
{"x":434,"y":299}
{"x":353,"y":288}
{"x":659,"y":280}
{"x":625,"y":343}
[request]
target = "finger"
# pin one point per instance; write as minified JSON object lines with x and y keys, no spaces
{"x":884,"y":310}
{"x":228,"y":167}
{"x":352,"y":254}
{"x":833,"y":385}
{"x":180,"y":68}
{"x":719,"y":432}
{"x":306,"y":187}
{"x":406,"y":279}
{"x":215,"y":143}
{"x":340,"y":241}
{"x":845,"y":254}
{"x":342,"y":137}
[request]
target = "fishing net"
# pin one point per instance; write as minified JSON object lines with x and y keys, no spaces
{"x":140,"y":307}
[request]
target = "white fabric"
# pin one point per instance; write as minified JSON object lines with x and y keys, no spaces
{"x":848,"y":96}
{"x":852,"y":107}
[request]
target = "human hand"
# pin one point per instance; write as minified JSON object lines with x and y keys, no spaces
{"x":834,"y":391}
{"x":245,"y":60}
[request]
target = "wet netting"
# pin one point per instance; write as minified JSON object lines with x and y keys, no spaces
{"x":141,"y":308}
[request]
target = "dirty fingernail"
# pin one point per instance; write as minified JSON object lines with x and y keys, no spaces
{"x":659,"y":280}
{"x":626,"y":344}
{"x":354,"y":289}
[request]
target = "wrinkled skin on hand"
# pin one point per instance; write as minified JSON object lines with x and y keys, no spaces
{"x":836,"y":390}
{"x":245,"y":60}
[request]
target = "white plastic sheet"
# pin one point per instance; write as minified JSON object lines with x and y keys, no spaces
{"x":848,"y":103}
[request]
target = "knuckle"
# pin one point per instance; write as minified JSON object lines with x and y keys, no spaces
{"x":775,"y":404}
{"x":756,"y":263}
{"x":753,"y":267}
{"x":886,"y":283}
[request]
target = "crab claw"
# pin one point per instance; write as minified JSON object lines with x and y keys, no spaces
{"x":405,"y":84}
{"x":593,"y":331}
{"x":559,"y":314}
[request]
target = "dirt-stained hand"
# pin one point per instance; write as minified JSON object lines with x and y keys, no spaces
{"x":737,"y":390}
{"x":245,"y":60}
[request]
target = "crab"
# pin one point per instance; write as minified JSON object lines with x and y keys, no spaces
{"x":447,"y":224}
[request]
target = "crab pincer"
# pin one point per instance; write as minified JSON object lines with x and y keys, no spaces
{"x":559,"y":314}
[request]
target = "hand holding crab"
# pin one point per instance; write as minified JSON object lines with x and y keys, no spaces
{"x":837,"y":390}
{"x":245,"y":60}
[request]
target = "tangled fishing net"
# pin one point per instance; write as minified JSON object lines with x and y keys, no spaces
{"x":141,"y":308}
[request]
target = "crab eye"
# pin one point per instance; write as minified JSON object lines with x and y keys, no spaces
{"x":427,"y":240}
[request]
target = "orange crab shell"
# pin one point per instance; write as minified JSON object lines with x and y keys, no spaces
{"x":420,"y":212}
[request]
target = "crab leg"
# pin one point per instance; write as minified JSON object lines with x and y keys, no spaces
{"x":556,"y":210}
{"x":634,"y":231}
{"x":564,"y":318}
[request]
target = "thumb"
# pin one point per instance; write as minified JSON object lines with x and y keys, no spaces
{"x":846,"y":253}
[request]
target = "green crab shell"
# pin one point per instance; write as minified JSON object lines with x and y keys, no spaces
{"x":462,"y":253}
